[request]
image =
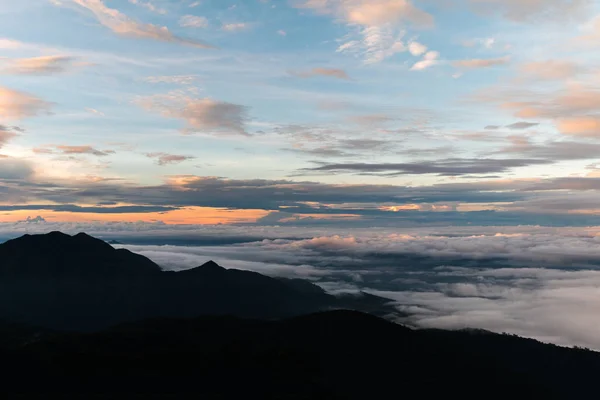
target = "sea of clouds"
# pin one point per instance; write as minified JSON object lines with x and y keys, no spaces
{"x":536,"y":282}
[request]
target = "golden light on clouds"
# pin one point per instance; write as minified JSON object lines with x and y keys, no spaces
{"x":191,"y":215}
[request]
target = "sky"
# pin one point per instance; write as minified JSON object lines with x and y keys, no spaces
{"x":339,"y":113}
{"x":444,"y":154}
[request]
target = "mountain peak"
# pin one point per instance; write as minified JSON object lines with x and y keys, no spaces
{"x":53,"y":234}
{"x":57,"y":254}
{"x":209,"y":268}
{"x":211,"y":265}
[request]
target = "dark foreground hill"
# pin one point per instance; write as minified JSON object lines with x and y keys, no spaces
{"x":82,"y":283}
{"x":332,"y":355}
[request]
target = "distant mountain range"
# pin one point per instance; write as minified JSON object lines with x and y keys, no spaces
{"x":79,"y":282}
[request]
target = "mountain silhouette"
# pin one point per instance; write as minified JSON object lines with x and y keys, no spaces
{"x":329,"y":355}
{"x":82,"y":283}
{"x":57,"y":255}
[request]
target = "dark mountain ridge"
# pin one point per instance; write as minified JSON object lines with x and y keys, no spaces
{"x":330,"y":355}
{"x":83,"y":283}
{"x":215,"y":333}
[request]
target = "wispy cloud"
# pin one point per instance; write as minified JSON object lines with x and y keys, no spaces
{"x":149,"y":6}
{"x":533,"y":10}
{"x":551,"y":69}
{"x":236,"y":26}
{"x":123,"y":25}
{"x":16,"y":105}
{"x":173,"y":79}
{"x":371,"y":12}
{"x":6,"y":134}
{"x":203,"y":115}
{"x":167,"y":159}
{"x":522,"y":125}
{"x":44,"y":65}
{"x":73,"y":150}
{"x":448,"y":167}
{"x":193,"y":21}
{"x":481,"y":62}
{"x":430,"y":59}
{"x":377,"y":26}
{"x":327,"y":72}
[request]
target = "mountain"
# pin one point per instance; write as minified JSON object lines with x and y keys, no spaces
{"x":79,"y":282}
{"x":330,"y":355}
{"x":57,"y":255}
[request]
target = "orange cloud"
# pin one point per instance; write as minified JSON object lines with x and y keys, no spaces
{"x":191,"y":215}
{"x":583,"y":126}
{"x":39,"y":65}
{"x":371,"y":12}
{"x":17,"y":105}
{"x":551,"y":69}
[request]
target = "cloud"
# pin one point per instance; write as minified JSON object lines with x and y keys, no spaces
{"x":429,"y":60}
{"x":305,"y":203}
{"x":573,"y":109}
{"x":14,"y":169}
{"x":365,"y":144}
{"x":149,"y":6}
{"x":527,"y":280}
{"x":371,"y":12}
{"x":522,"y":125}
{"x":447,"y":167}
{"x":551,"y":69}
{"x":591,"y":32}
{"x":487,"y":43}
{"x":6,"y":134}
{"x":45,"y":65}
{"x":533,"y":10}
{"x":510,"y":279}
{"x":9,"y":44}
{"x":124,"y":26}
{"x":582,"y":126}
{"x":167,"y":159}
{"x":173,"y":79}
{"x":235,"y":27}
{"x":184,"y":191}
{"x":559,"y":150}
{"x":193,"y":21}
{"x":17,"y":105}
{"x":417,"y":49}
{"x":323,"y":151}
{"x":370,"y":119}
{"x":481,"y":63}
{"x":73,"y":150}
{"x":72,"y":208}
{"x":201,"y":115}
{"x":377,"y":26}
{"x":327,"y":72}
{"x":95,"y":112}
{"x":375,"y":44}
